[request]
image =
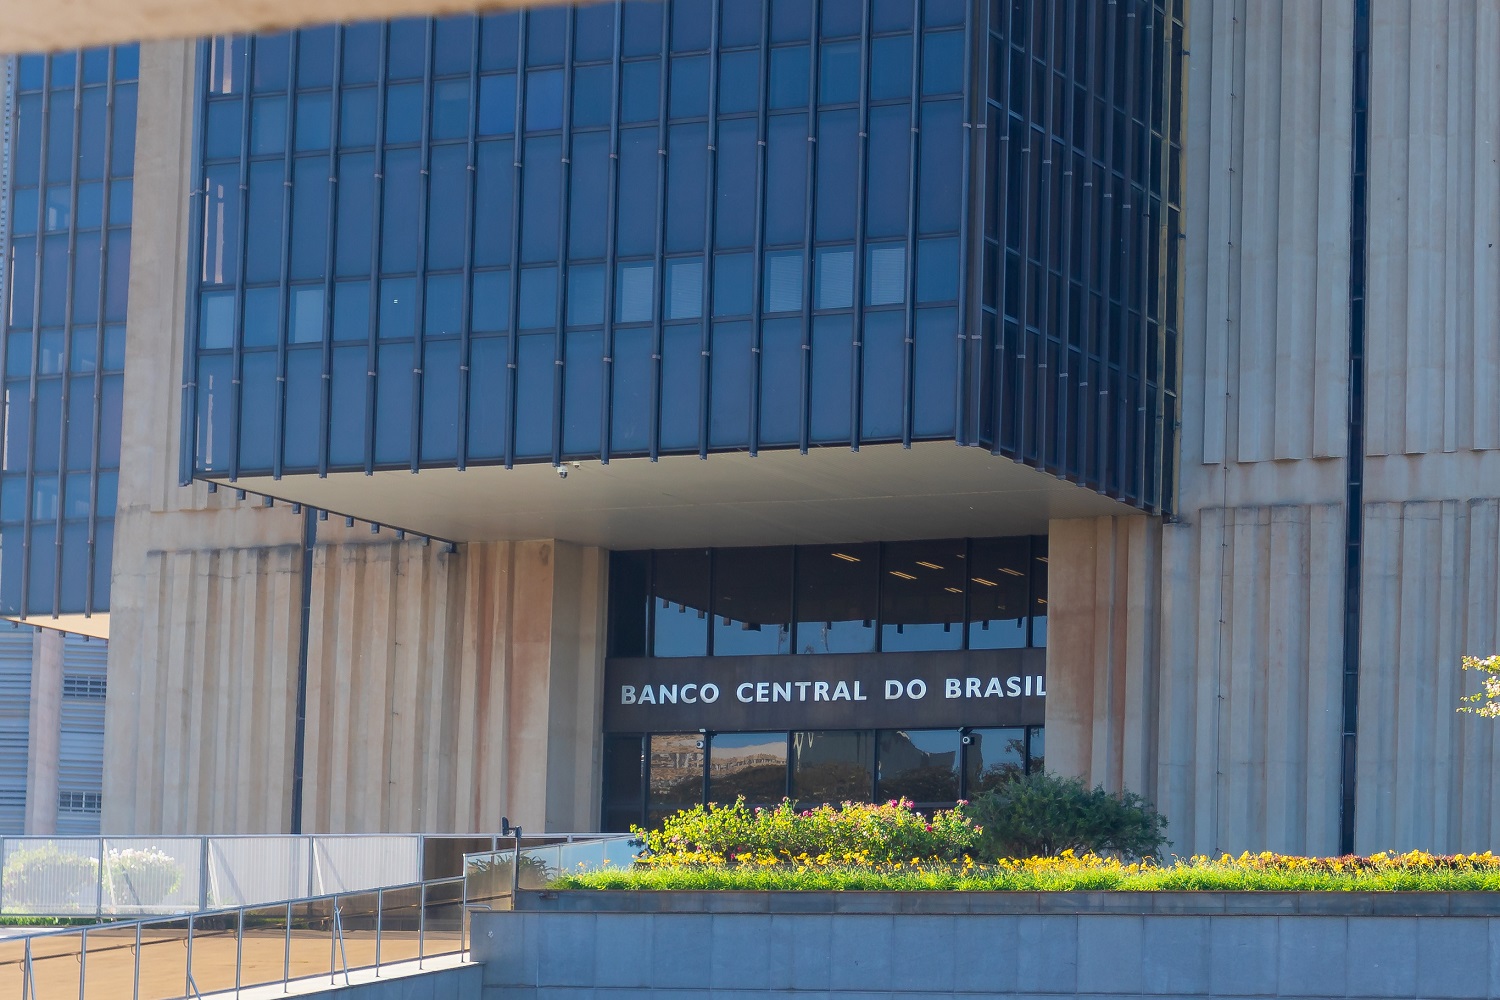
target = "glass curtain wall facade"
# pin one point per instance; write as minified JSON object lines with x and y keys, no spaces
{"x":641,"y":228}
{"x":66,"y":275}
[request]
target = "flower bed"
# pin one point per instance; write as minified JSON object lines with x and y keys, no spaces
{"x":1416,"y":871}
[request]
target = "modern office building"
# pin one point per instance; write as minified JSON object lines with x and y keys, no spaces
{"x":578,"y":413}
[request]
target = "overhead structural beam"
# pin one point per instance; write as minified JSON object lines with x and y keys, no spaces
{"x":72,"y":24}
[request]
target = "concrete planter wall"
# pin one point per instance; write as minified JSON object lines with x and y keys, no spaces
{"x":909,"y":945}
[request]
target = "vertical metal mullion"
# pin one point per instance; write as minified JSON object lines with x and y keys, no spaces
{"x":999,"y":183}
{"x":981,"y":192}
{"x":1066,"y":377}
{"x":607,"y":340}
{"x":284,"y":292}
{"x":966,"y":270}
{"x":564,"y":179}
{"x":236,"y":381}
{"x":471,"y":196}
{"x":330,"y":257}
{"x":419,"y":335}
{"x":7,"y":240}
{"x":187,"y":439}
{"x":809,"y":230}
{"x":64,"y":395}
{"x":1105,"y":397}
{"x":1051,"y":234}
{"x":517,"y":207}
{"x":1133,"y":483}
{"x":861,"y":195}
{"x":188,"y":414}
{"x":913,"y":169}
{"x":710,"y":217}
{"x":44,"y":132}
{"x":372,"y":341}
{"x":1088,"y":221}
{"x":757,"y":263}
{"x":664,"y":166}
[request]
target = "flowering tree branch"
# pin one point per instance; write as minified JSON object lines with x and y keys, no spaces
{"x":1486,"y":702}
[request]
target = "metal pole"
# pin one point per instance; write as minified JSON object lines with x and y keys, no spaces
{"x":28,"y":987}
{"x":338,"y":925}
{"x":379,"y":926}
{"x":203,"y":874}
{"x":333,"y":939}
{"x":421,"y":923}
{"x":463,"y":916}
{"x":83,"y":960}
{"x":136,"y":987}
{"x":99,"y":882}
{"x":239,"y":949}
{"x":188,"y":985}
{"x":286,"y":955}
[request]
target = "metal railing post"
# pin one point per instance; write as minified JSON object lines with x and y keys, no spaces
{"x":379,"y":926}
{"x":99,"y":882}
{"x":463,"y":915}
{"x":421,"y":923}
{"x":28,"y":984}
{"x":83,"y":960}
{"x":187,"y":985}
{"x":338,"y":928}
{"x":239,"y":949}
{"x":203,"y":874}
{"x":135,"y":990}
{"x":286,"y":955}
{"x":333,"y":941}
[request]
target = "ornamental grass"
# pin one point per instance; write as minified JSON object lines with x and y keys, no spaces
{"x":1416,"y":871}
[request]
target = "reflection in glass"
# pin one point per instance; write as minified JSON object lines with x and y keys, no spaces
{"x":680,"y":603}
{"x":629,"y":602}
{"x":622,"y":783}
{"x":1039,"y":592}
{"x":922,"y":766}
{"x":748,"y":764}
{"x":837,"y":598}
{"x":675,"y":773}
{"x":998,"y":592}
{"x":993,"y":757}
{"x":922,"y":595}
{"x":752,"y":607}
{"x":833,"y":766}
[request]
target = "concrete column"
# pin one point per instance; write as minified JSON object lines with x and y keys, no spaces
{"x":44,"y":743}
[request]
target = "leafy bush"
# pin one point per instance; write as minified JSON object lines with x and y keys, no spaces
{"x":141,"y":877}
{"x":1041,"y":815}
{"x":46,"y":877}
{"x":852,"y":833}
{"x":491,"y":875}
{"x":1413,"y":872}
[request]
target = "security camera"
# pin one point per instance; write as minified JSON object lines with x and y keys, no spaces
{"x":562,"y":472}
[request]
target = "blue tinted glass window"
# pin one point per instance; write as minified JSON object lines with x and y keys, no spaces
{"x":91,"y":134}
{"x":943,"y":62}
{"x":783,"y":281}
{"x":120,"y":195}
{"x":440,"y":401}
{"x":838,"y":161}
{"x":450,"y":109}
{"x":890,"y":68}
{"x":361,"y":53}
{"x":689,"y":75}
{"x":740,"y":22}
{"x":453,"y":44}
{"x":60,"y":153}
{"x":841,"y":19}
{"x":28,"y":134}
{"x":593,"y":95}
{"x":538,"y":298}
{"x":687,"y":186}
{"x":258,"y":411}
{"x":406,"y":49}
{"x":301,"y":433}
{"x":681,"y":380}
{"x":403,"y":113}
{"x":84,"y":355}
{"x":690,"y":26}
{"x":114,"y":347}
{"x":781,"y":382}
{"x":585,"y":294}
{"x":309,"y":241}
{"x":215,"y":415}
{"x":546,"y":36}
{"x":641,"y":28}
{"x":635,"y":291}
{"x":679,"y":604}
{"x":588,"y":200}
{"x":635,"y":231}
{"x":939,"y":13}
{"x":443,"y":306}
{"x":272,"y":62}
{"x":789,"y":68}
{"x":221,"y":129}
{"x":23,"y":212}
{"x":357,"y":117}
{"x":489,"y":391}
{"x":216,"y":320}
{"x":835,"y":278}
{"x":544,"y":100}
{"x":885,"y":274}
{"x":393,"y":401}
{"x":884,"y":360}
{"x":314,"y":114}
{"x":594,"y":32}
{"x":59,"y":210}
{"x":535,"y":374}
{"x":729,"y":402}
{"x":402,"y":199}
{"x":922,"y":595}
{"x":734,"y":222}
{"x":832,"y":362}
{"x":493,"y":206}
{"x":542,"y":199}
{"x":497,"y":41}
{"x":90,"y":214}
{"x":117,"y":279}
{"x":263,"y":240}
{"x":583,"y":373}
{"x":838,"y":73}
{"x":630,"y":403}
{"x":752,"y":601}
{"x":888,"y":171}
{"x":262,"y":324}
{"x":941,"y":146}
{"x":268,"y":126}
{"x":356,"y":193}
{"x":891,"y":15}
{"x":684,"y":293}
{"x":315,"y":57}
{"x":998,"y":581}
{"x":347,"y":387}
{"x":641,"y":84}
{"x":937,"y":270}
{"x":398,"y":308}
{"x":935,"y":373}
{"x":787,"y":150}
{"x":447,"y":207}
{"x":31,"y":71}
{"x":837,"y":598}
{"x":122,"y":154}
{"x":497,"y":104}
{"x":733,"y":284}
{"x":490,"y":308}
{"x":351,"y":310}
{"x":739,"y":82}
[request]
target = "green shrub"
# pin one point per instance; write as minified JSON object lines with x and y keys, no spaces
{"x":1042,"y":814}
{"x":853,"y":833}
{"x":141,"y":877}
{"x":46,"y":877}
{"x":491,"y":875}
